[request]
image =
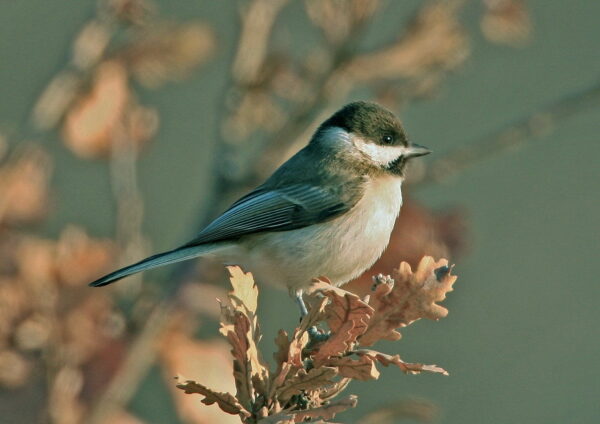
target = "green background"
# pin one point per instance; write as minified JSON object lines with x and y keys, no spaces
{"x":521,"y":341}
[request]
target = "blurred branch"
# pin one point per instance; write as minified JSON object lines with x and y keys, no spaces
{"x":258,"y":19}
{"x":129,"y":202}
{"x":141,"y":354}
{"x":534,"y":125}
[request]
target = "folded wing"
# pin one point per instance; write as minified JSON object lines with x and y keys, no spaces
{"x":282,"y":209}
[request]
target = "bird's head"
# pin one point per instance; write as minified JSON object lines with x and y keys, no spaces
{"x":371,"y":136}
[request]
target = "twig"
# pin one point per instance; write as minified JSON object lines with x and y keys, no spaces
{"x":140,"y":357}
{"x":130,"y":205}
{"x":534,"y":125}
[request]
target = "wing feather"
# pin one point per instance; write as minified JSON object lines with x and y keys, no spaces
{"x":279,"y":209}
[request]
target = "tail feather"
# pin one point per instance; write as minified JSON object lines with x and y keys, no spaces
{"x":160,"y":259}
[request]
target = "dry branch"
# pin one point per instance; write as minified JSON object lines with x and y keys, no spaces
{"x":311,"y":373}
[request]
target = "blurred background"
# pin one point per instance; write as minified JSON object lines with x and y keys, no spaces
{"x":127,"y":124}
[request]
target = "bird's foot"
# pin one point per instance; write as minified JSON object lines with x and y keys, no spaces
{"x":317,"y":336}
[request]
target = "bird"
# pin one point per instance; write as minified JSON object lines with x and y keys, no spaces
{"x":327,"y":211}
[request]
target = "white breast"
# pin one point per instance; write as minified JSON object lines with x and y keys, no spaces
{"x":340,"y":249}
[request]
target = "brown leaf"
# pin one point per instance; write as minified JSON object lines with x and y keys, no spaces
{"x":407,"y":367}
{"x":246,"y":364}
{"x":362,"y":368}
{"x":506,"y":22}
{"x":300,"y":339}
{"x":283,"y":347}
{"x":347,"y":317}
{"x":14,"y":369}
{"x":168,"y":52}
{"x":338,"y":19}
{"x":79,"y":258}
{"x":24,"y":187}
{"x":434,"y":40}
{"x":412,"y":296}
{"x":226,"y":401}
{"x":239,"y":325}
{"x":313,"y":379}
{"x":244,"y":291}
{"x":91,"y":123}
{"x":328,"y":393}
{"x":418,"y":231}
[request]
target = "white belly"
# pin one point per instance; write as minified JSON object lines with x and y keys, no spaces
{"x":340,"y":249}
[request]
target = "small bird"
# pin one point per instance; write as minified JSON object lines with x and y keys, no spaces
{"x":328,"y":211}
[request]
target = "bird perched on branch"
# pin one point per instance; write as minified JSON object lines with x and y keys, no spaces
{"x":328,"y":211}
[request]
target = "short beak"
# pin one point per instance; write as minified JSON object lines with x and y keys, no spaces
{"x":415,"y":150}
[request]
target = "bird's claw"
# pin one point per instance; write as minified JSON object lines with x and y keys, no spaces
{"x":316,"y":336}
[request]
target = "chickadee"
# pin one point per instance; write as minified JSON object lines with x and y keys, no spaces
{"x":327,"y":211}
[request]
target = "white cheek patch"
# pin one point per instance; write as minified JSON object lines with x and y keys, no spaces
{"x":381,"y":155}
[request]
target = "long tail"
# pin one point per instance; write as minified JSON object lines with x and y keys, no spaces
{"x":176,"y":255}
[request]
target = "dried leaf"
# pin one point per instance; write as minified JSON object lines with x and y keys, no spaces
{"x":79,"y":258}
{"x":347,"y":317}
{"x":24,"y":187}
{"x":32,"y":333}
{"x":362,"y":368}
{"x":506,"y":22}
{"x":407,"y":367}
{"x":283,"y":347}
{"x":168,"y":52}
{"x":313,"y":379}
{"x":419,"y":231}
{"x":226,"y":401}
{"x":291,"y":359}
{"x":299,"y":341}
{"x":411,"y":297}
{"x":239,"y":325}
{"x":91,"y":123}
{"x":328,"y":393}
{"x":434,"y":40}
{"x":246,"y":364}
{"x":14,"y":369}
{"x":245,"y":292}
{"x":337,"y":19}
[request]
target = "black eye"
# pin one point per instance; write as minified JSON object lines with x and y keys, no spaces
{"x":387,"y":139}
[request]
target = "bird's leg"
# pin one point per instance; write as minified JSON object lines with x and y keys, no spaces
{"x":301,"y":304}
{"x":313,"y":333}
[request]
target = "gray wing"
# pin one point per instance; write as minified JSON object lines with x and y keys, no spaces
{"x":278,"y":209}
